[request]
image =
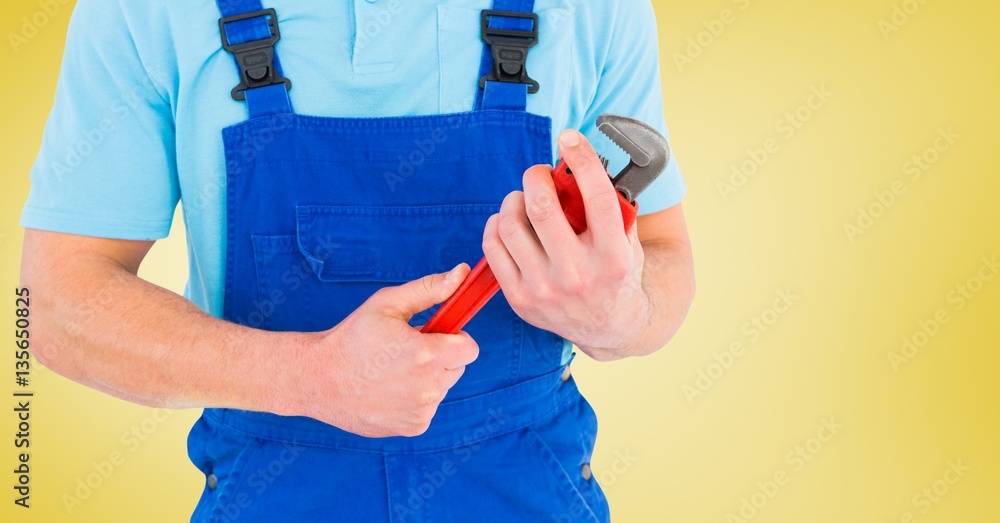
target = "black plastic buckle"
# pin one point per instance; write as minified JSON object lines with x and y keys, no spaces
{"x":510,"y":50}
{"x":256,"y":57}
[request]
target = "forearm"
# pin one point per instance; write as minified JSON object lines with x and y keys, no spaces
{"x":662,"y":299}
{"x":103,"y":326}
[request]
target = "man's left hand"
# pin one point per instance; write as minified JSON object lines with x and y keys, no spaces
{"x":586,"y":288}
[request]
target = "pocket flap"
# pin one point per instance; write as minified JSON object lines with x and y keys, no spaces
{"x":389,"y":244}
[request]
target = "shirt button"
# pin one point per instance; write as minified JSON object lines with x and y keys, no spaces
{"x":566,"y":374}
{"x":213,"y":482}
{"x":586,"y":472}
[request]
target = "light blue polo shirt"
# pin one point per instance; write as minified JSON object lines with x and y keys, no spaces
{"x":145,"y":93}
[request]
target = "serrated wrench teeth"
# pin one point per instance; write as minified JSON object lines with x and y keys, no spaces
{"x":648,"y":151}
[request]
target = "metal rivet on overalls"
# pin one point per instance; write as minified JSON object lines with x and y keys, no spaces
{"x":212,"y":482}
{"x":566,"y":373}
{"x":586,"y":472}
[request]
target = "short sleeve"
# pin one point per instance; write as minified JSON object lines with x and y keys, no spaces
{"x":629,"y":85}
{"x":107,"y":165}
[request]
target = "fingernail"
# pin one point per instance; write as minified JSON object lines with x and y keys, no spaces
{"x":452,"y":274}
{"x":569,"y":138}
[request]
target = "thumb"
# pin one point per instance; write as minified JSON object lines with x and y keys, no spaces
{"x":418,"y":295}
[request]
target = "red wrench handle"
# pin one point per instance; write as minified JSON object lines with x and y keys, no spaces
{"x":571,"y":200}
{"x":481,"y":284}
{"x":477,"y":289}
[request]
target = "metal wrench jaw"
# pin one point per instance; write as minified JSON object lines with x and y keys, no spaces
{"x":648,"y":151}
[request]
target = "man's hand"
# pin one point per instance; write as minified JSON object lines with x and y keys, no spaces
{"x":586,"y":288}
{"x":99,"y":324}
{"x":376,"y":376}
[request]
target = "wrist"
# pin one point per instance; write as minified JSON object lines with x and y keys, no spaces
{"x":287,"y":391}
{"x":628,"y":336}
{"x":637,"y":344}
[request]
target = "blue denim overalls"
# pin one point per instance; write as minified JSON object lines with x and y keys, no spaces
{"x":321,"y":213}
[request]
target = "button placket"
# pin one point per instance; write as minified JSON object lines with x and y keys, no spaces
{"x":372,"y":23}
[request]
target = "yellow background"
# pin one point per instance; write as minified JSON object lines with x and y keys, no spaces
{"x":824,"y":358}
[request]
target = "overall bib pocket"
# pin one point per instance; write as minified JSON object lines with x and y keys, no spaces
{"x":340,"y":255}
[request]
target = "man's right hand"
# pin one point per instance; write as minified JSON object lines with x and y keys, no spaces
{"x":97,"y":323}
{"x":376,"y":376}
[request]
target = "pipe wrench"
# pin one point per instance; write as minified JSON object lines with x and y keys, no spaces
{"x":648,"y":153}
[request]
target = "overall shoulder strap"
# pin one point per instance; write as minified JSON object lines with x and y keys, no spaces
{"x":508,"y":31}
{"x":250,"y":33}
